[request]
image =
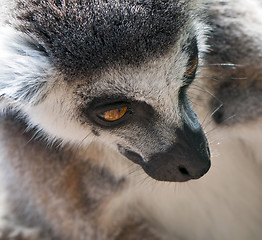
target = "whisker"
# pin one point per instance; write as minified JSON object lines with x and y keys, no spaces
{"x":205,"y":124}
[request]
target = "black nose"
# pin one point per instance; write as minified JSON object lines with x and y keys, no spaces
{"x":188,"y":158}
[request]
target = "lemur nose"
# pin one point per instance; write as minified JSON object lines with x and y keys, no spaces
{"x":188,"y":158}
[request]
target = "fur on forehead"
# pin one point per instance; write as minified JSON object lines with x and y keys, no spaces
{"x":157,"y":83}
{"x":82,"y":36}
{"x":137,"y":83}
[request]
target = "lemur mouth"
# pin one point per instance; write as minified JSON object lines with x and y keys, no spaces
{"x":188,"y":158}
{"x":183,"y":161}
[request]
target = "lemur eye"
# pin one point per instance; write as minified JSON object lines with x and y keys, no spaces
{"x":191,"y":70}
{"x":114,"y":114}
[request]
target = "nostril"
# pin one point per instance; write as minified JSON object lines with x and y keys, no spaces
{"x":183,"y":170}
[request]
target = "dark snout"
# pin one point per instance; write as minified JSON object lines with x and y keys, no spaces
{"x":188,"y":158}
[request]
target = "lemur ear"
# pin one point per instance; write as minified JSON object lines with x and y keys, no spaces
{"x":24,"y":67}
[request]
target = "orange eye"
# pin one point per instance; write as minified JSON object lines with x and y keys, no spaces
{"x":193,"y":67}
{"x":114,"y":114}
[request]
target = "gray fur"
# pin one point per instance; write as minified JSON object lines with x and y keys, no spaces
{"x":66,"y":174}
{"x":239,"y":104}
{"x":64,"y":180}
{"x":83,"y":36}
{"x":236,"y":61}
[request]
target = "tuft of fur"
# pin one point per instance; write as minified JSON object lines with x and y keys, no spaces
{"x":83,"y":36}
{"x":63,"y":176}
{"x":24,"y":67}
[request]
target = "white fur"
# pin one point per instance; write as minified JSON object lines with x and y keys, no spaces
{"x":18,"y":70}
{"x":224,"y":204}
{"x":56,"y":114}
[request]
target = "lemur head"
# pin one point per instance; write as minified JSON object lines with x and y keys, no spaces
{"x":110,"y":71}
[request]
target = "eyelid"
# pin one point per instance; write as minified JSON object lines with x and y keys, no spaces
{"x":193,"y":67}
{"x":97,"y":113}
{"x":191,"y":71}
{"x":100,"y":109}
{"x":137,"y":111}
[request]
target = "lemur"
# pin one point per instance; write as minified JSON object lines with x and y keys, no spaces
{"x":109,"y":109}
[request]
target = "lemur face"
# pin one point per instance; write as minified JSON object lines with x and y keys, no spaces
{"x":111,"y":71}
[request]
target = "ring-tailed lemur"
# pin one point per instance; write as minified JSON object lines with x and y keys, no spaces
{"x":97,"y":132}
